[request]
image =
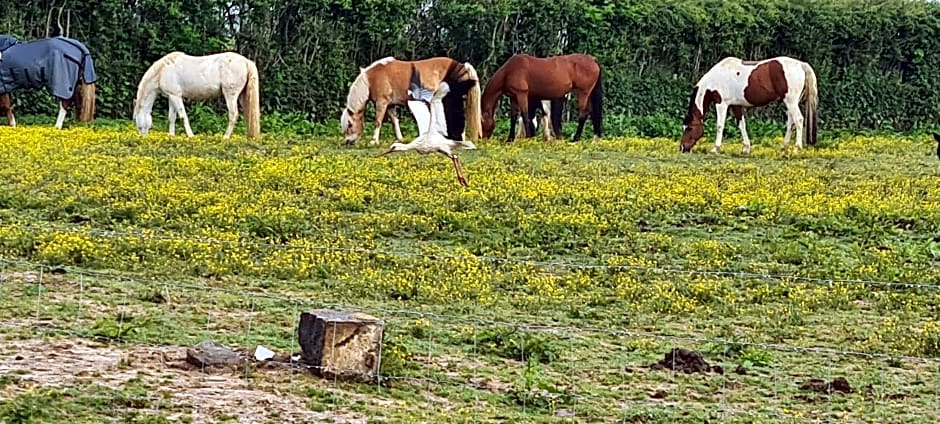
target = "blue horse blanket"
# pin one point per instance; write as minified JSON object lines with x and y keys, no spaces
{"x":52,"y":63}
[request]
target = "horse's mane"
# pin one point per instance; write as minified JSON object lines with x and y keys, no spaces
{"x":358,"y":92}
{"x":153,"y":71}
{"x":494,"y":87}
{"x":689,"y":114}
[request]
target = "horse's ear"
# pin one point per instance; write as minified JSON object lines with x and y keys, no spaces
{"x":361,"y":69}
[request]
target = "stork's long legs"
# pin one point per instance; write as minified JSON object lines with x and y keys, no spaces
{"x":457,"y":167}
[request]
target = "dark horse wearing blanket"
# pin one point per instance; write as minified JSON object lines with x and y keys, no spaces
{"x":61,"y":65}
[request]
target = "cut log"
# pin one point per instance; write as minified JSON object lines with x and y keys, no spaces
{"x":339,"y":344}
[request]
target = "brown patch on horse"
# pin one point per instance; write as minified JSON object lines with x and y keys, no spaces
{"x":694,"y":115}
{"x":713,"y":95}
{"x":767,"y":83}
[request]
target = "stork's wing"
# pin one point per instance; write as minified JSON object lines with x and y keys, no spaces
{"x":415,"y":90}
{"x":422,"y":114}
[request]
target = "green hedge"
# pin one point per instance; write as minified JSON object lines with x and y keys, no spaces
{"x":878,"y":62}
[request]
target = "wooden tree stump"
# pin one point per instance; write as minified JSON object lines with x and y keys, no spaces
{"x":343,"y":345}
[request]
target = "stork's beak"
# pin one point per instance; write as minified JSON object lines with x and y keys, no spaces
{"x":390,"y":150}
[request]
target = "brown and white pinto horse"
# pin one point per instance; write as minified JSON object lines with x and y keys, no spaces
{"x":525,"y":78}
{"x":735,"y":84}
{"x":385,"y":82}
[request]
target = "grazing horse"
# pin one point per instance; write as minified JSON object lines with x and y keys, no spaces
{"x":550,"y":122}
{"x":736,"y":84}
{"x":386,"y":82}
{"x":524,"y":78}
{"x":61,"y":65}
{"x":180,"y":76}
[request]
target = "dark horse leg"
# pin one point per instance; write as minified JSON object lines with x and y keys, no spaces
{"x":534,"y":104}
{"x":522,"y":102}
{"x":513,"y":116}
{"x":582,"y":115}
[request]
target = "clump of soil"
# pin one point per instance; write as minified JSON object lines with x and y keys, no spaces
{"x":818,"y":385}
{"x":687,"y":361}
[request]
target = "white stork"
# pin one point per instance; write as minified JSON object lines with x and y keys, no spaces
{"x":433,"y":139}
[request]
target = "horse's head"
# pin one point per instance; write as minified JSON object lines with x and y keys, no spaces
{"x":690,"y":135}
{"x":489,"y":124}
{"x":694,"y":127}
{"x":143,"y":120}
{"x":351,"y":123}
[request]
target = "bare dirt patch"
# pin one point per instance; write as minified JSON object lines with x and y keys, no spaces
{"x":205,"y":393}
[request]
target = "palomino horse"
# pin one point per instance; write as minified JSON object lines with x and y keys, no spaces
{"x":386,"y":81}
{"x":180,"y":76}
{"x":736,"y":84}
{"x":61,"y":65}
{"x":524,"y":78}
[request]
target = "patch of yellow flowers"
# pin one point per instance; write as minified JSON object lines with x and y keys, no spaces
{"x":401,"y":227}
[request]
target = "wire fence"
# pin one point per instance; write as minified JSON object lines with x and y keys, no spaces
{"x":439,"y":363}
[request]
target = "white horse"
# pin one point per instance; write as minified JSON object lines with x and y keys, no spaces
{"x":736,"y":84}
{"x":180,"y":76}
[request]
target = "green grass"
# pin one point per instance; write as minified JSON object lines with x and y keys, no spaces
{"x":170,"y":241}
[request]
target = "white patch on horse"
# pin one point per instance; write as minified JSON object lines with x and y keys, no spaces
{"x":382,"y":61}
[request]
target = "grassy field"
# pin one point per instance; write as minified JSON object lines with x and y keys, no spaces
{"x":542,"y":292}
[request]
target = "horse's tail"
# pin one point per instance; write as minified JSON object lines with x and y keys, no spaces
{"x":812,"y":102}
{"x":252,"y":101}
{"x":597,"y":95}
{"x":474,"y":114}
{"x":85,"y":101}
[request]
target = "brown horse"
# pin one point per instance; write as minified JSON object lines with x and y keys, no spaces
{"x":525,"y":78}
{"x":386,"y":81}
